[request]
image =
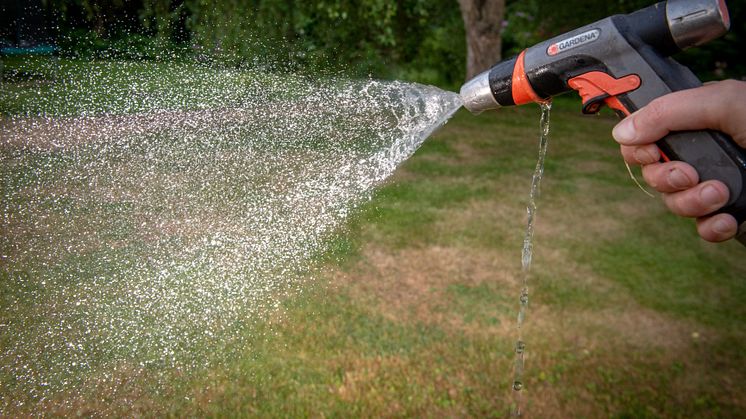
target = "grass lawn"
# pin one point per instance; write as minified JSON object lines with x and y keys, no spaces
{"x":631,"y":314}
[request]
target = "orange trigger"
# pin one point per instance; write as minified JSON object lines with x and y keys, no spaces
{"x":613,"y":102}
{"x":597,"y":86}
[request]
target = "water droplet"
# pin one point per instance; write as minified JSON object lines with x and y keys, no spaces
{"x":524,"y":297}
{"x":520,"y":347}
{"x":517,"y":385}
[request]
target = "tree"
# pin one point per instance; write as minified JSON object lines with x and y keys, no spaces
{"x":483,"y":23}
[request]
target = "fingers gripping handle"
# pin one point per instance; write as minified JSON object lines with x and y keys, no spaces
{"x":713,"y":154}
{"x":715,"y":157}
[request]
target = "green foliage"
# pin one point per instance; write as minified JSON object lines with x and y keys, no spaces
{"x":532,"y":21}
{"x":414,"y":40}
{"x":410,"y":39}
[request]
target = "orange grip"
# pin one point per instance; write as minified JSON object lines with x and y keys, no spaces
{"x":521,"y":88}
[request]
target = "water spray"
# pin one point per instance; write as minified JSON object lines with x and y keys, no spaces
{"x":148,"y":237}
{"x":623,"y":62}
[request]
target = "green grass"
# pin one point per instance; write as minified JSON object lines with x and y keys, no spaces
{"x":631,"y":314}
{"x":345,"y":351}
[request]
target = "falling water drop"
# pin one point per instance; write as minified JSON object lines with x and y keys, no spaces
{"x":517,"y":385}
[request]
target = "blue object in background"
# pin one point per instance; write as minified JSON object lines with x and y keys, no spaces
{"x":24,"y":31}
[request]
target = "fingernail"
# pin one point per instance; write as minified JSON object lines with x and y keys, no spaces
{"x":711,"y":196}
{"x":678,"y":179}
{"x":722,"y":227}
{"x":624,"y":132}
{"x":643,"y":156}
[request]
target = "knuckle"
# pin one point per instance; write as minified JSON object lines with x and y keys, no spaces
{"x":656,"y":113}
{"x":685,"y":206}
{"x":731,"y":116}
{"x":732,"y":86}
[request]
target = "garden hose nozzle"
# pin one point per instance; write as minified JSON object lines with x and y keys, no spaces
{"x":623,"y":62}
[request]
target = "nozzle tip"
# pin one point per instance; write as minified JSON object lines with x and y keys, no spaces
{"x":477,"y":95}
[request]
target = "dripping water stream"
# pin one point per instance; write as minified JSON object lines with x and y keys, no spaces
{"x":526,"y":256}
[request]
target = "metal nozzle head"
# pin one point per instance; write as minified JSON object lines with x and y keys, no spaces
{"x":477,"y":95}
{"x":695,"y":22}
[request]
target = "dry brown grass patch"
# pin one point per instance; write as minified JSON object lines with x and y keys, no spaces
{"x":409,"y":285}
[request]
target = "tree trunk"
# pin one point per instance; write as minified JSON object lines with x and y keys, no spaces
{"x":483,"y":22}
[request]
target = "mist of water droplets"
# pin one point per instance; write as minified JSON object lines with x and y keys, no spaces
{"x":147,"y":219}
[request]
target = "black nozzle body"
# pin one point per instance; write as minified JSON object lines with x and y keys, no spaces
{"x":612,"y":45}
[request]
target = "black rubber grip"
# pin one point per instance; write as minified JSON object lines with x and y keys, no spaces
{"x":713,"y":154}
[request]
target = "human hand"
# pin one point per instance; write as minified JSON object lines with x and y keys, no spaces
{"x":719,"y":106}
